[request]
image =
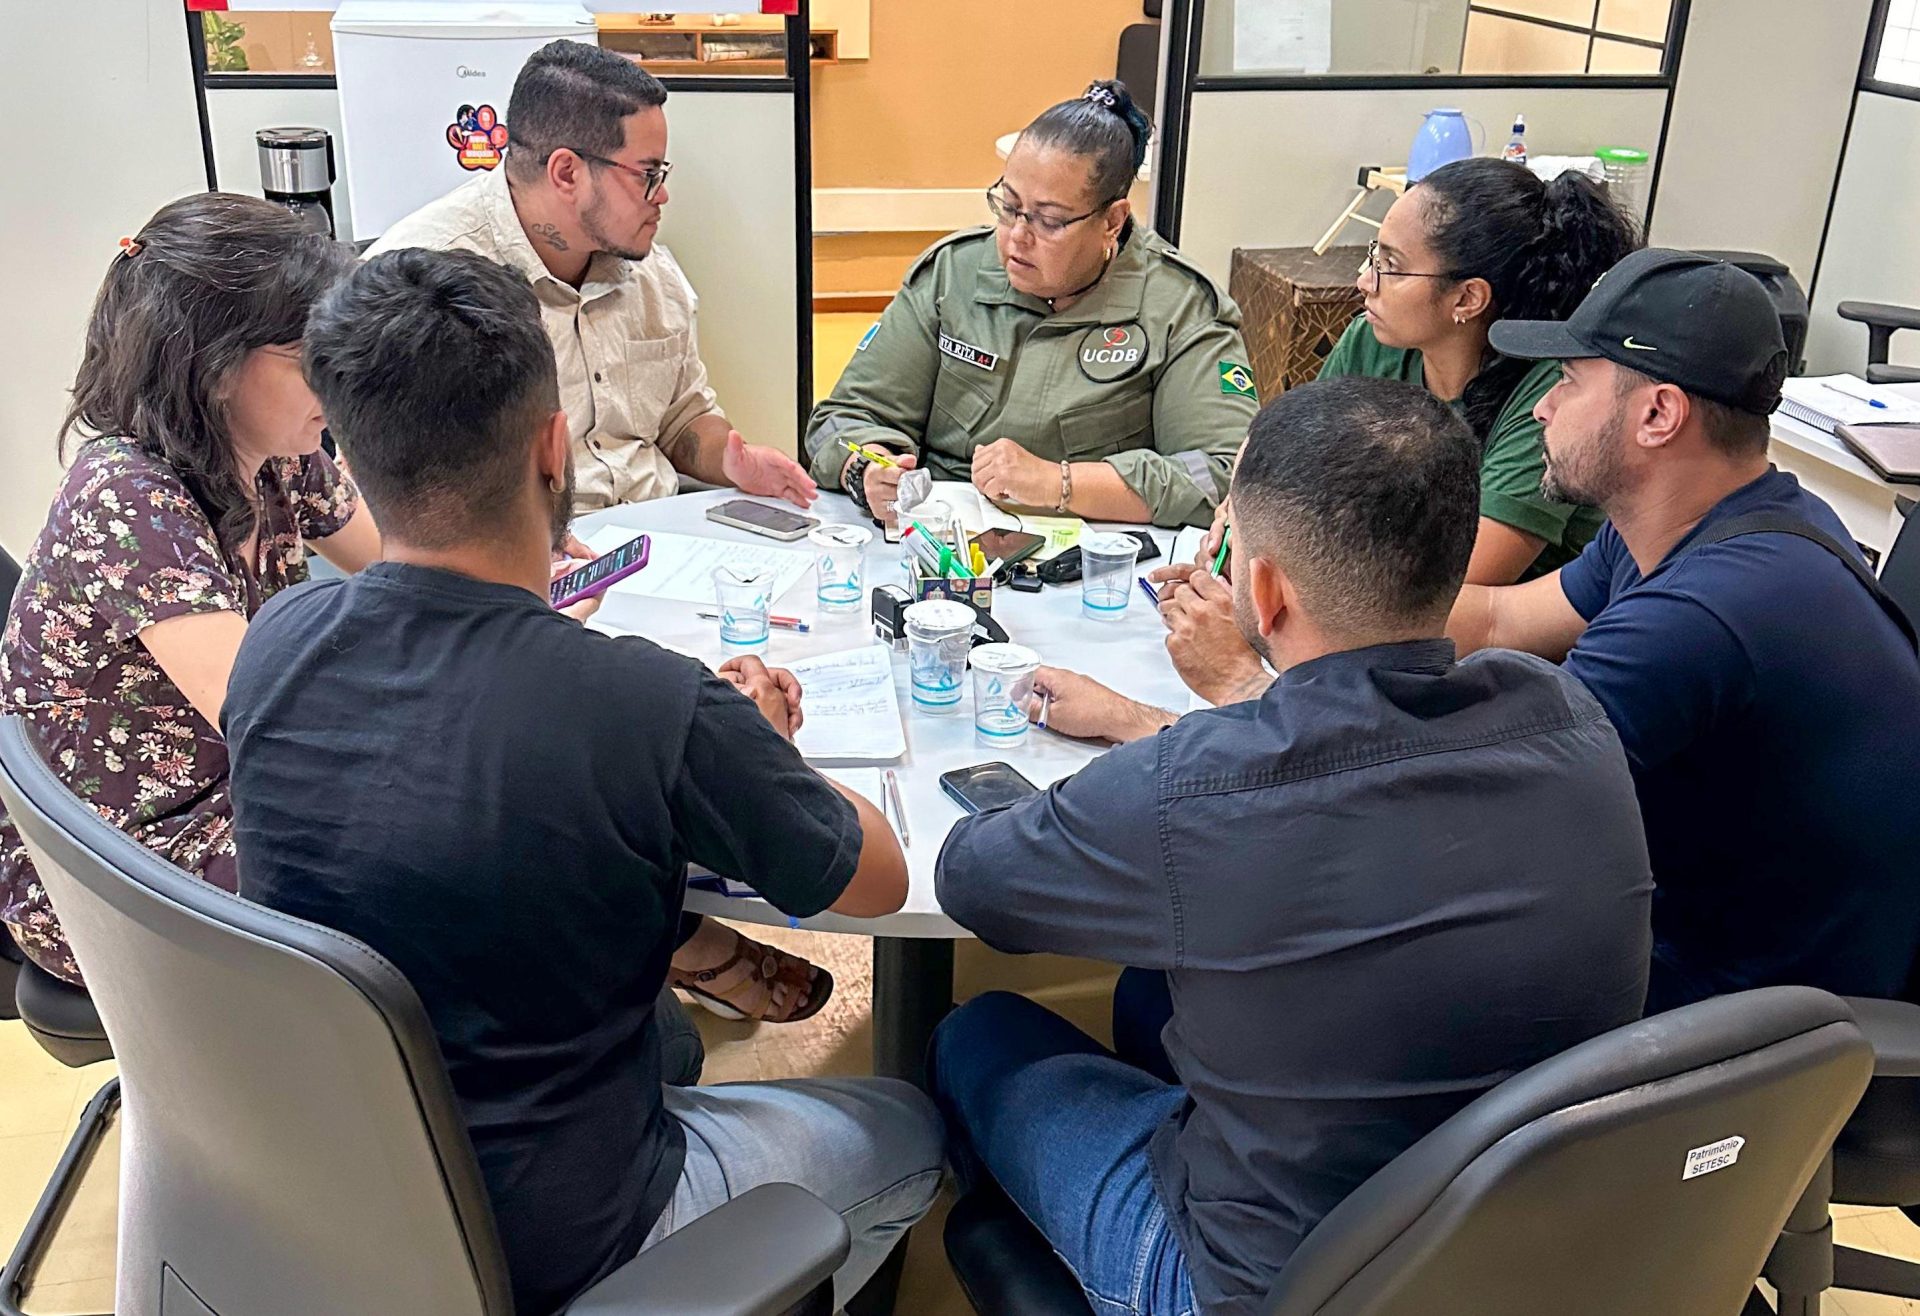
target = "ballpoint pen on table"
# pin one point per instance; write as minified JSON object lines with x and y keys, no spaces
{"x":780,"y":623}
{"x":899,"y":810}
{"x":1875,"y":403}
{"x":1147,"y":589}
{"x":1046,"y":702}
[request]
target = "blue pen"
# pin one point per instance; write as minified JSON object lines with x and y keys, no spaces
{"x":1875,"y":403}
{"x":1147,"y":589}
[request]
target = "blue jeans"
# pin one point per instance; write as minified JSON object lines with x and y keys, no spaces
{"x":870,"y":1148}
{"x":1062,"y":1125}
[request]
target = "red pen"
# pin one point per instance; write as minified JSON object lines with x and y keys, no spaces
{"x":784,"y":623}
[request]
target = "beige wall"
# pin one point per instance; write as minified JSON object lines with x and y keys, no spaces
{"x":1871,"y":254}
{"x":83,"y":167}
{"x":944,"y":80}
{"x":731,"y":225}
{"x":1273,"y":168}
{"x":1759,"y":112}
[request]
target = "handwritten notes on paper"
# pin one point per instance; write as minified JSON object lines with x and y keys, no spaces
{"x":681,"y":567}
{"x":852,"y":710}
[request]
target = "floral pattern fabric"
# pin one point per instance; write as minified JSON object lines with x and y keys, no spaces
{"x":125,"y":547}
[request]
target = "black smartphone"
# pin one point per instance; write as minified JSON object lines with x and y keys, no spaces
{"x":600,"y":574}
{"x":986,"y":786}
{"x":1009,"y":546}
{"x":1064,"y":568}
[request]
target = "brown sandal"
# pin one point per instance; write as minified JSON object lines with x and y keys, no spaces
{"x":757,"y":964}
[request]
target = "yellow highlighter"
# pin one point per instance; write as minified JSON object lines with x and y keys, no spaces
{"x":878,"y":458}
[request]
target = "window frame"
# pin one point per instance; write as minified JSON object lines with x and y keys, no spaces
{"x":1870,"y":58}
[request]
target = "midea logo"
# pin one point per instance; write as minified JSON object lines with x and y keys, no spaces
{"x":465,"y":72}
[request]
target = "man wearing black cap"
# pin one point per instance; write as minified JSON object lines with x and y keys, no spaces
{"x":1767,"y":692}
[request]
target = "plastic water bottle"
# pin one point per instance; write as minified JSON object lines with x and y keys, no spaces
{"x":1516,"y":149}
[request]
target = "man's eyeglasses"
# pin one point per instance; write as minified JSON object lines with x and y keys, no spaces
{"x":1044,"y":226}
{"x":1373,"y":266}
{"x":655,"y":178}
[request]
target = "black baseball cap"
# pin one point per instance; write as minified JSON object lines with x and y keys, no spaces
{"x":1677,"y":316}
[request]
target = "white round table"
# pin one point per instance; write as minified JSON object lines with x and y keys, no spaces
{"x":913,"y":950}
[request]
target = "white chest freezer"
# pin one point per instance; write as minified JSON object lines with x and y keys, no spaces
{"x":424,"y":86}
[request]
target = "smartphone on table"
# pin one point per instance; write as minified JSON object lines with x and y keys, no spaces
{"x":1009,"y":546}
{"x":599,"y":575}
{"x":773,"y":522}
{"x":986,"y":786}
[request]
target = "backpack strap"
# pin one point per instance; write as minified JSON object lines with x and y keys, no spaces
{"x":1785,"y":523}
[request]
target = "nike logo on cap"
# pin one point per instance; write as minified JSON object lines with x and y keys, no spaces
{"x":1632,"y":346}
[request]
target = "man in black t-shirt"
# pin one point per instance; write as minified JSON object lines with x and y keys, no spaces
{"x":429,"y":758}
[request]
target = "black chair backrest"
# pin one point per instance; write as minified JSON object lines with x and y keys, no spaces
{"x":291,"y":1140}
{"x":1900,"y":569}
{"x":9,"y":580}
{"x":1649,"y":1169}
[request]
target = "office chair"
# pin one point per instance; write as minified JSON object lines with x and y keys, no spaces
{"x":292,"y":1144}
{"x":11,"y":956}
{"x":1564,"y":1189}
{"x":1882,"y":323}
{"x":1138,"y":61}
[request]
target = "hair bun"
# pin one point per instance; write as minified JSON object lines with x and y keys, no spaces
{"x":1112,"y":95}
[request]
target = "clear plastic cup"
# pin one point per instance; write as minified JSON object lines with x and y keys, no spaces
{"x":1002,"y":683}
{"x":839,"y":554}
{"x":938,"y":523}
{"x":939,"y":632}
{"x":744,"y":598}
{"x":1106,"y":573}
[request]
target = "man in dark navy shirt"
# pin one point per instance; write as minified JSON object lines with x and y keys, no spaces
{"x":1767,"y":696}
{"x":503,"y":803}
{"x":1378,"y":886}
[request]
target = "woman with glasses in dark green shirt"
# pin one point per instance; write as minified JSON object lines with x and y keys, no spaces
{"x":1065,"y":359}
{"x":1473,"y":242}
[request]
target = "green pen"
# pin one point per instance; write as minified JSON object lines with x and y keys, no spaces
{"x":946,"y":554}
{"x":1220,"y":558}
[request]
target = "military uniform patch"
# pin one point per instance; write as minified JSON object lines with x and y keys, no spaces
{"x":1237,"y":380}
{"x":967,"y":352}
{"x":1112,"y":352}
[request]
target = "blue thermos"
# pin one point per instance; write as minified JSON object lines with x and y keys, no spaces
{"x":1444,"y":137}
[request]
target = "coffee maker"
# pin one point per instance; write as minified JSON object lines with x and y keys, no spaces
{"x":296,"y":171}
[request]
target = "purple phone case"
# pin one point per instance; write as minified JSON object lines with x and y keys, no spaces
{"x":607,"y":581}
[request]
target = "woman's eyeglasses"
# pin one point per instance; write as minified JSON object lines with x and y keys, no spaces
{"x":1373,"y":266}
{"x":1007,"y":215}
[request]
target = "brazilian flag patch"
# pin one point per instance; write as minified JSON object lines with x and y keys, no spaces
{"x":1237,"y":380}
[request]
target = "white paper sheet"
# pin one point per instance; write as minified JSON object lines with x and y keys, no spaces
{"x":851,"y":709}
{"x":1282,"y":36}
{"x":1824,"y":401}
{"x":1186,"y":545}
{"x":680,"y":567}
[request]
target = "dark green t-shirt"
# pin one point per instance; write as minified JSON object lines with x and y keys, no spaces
{"x":1514,"y":459}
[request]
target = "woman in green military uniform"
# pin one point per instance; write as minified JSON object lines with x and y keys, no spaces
{"x":1065,"y":359}
{"x":1473,"y":242}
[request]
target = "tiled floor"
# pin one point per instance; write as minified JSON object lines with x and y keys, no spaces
{"x":40,"y":1103}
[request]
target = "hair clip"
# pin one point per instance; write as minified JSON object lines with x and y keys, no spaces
{"x":129,"y":248}
{"x":1100,"y":95}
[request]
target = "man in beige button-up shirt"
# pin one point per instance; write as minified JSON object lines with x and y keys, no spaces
{"x":575,"y":209}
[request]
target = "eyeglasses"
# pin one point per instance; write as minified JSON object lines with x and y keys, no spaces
{"x":1043,"y":226}
{"x":655,"y":178}
{"x":1372,"y":265}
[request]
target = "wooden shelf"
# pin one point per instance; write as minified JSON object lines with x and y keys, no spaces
{"x":683,"y":45}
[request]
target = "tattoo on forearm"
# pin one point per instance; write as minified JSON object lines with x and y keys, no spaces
{"x":550,"y":234}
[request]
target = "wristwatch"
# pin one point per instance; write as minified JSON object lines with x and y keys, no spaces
{"x":855,"y":480}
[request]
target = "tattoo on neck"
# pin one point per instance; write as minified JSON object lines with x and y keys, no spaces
{"x":549,"y":234}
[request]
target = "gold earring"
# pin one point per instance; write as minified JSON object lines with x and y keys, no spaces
{"x":1109,"y":251}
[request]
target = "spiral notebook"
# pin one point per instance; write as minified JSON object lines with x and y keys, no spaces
{"x":1827,"y":402}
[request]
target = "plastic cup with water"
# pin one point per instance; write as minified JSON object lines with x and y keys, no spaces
{"x":744,"y":598}
{"x":1002,"y":684}
{"x":939,"y":633}
{"x":1106,"y":574}
{"x":839,"y":554}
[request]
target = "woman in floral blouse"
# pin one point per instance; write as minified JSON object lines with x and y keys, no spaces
{"x":195,"y":490}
